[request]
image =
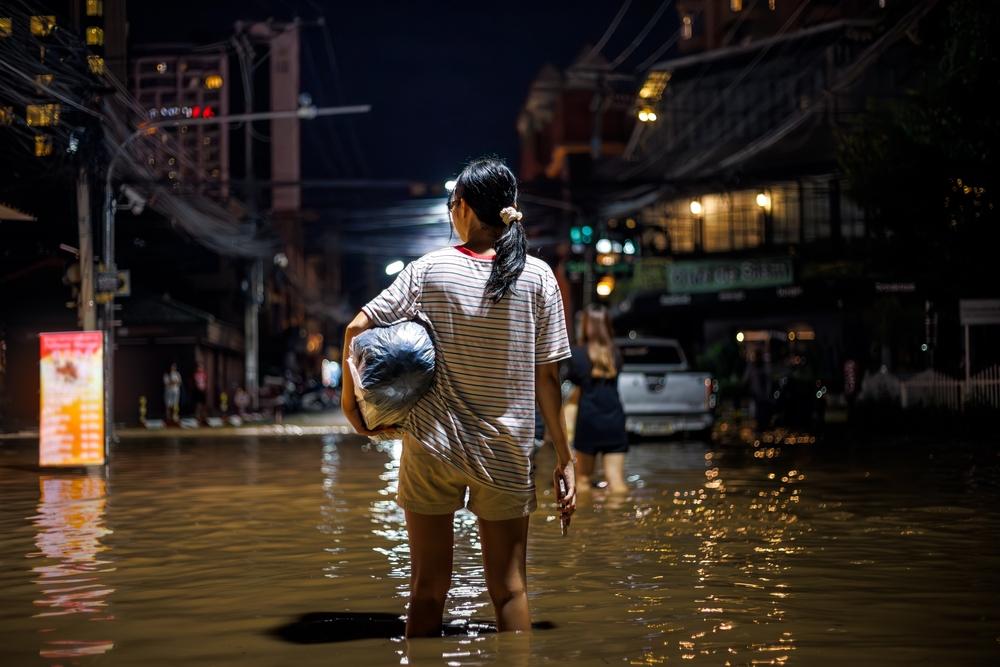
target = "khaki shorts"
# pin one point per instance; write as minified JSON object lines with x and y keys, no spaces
{"x":428,"y":485}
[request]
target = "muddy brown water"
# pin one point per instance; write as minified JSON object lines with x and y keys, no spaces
{"x":192,"y":552}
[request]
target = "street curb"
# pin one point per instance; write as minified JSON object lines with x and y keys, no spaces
{"x":336,"y":427}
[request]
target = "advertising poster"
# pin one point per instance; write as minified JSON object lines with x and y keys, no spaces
{"x":71,"y":432}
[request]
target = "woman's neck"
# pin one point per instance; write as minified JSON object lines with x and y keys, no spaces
{"x":481,"y":243}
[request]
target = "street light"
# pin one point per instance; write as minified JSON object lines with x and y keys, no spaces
{"x":305,"y":112}
{"x":450,"y":184}
{"x":605,"y":286}
{"x":603,"y":246}
{"x":393,"y":268}
{"x":695,"y":207}
{"x":763,"y":200}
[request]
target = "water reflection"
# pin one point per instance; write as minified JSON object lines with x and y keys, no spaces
{"x":70,"y":527}
{"x":333,"y":509}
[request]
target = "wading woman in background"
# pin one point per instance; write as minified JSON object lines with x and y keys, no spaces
{"x":600,"y":418}
{"x":496,"y":318}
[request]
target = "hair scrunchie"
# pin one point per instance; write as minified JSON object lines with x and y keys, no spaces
{"x":510,"y":214}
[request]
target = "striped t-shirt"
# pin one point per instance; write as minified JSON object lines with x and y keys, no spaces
{"x":479,"y":414}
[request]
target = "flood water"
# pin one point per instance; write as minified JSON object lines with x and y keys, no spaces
{"x":191,"y":552}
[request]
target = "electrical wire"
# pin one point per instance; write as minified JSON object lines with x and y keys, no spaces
{"x":641,"y":36}
{"x":596,"y":51}
{"x":706,"y":114}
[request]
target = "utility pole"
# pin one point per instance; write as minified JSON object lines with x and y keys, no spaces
{"x":588,"y":273}
{"x":255,"y":277}
{"x":109,"y":316}
{"x":87,"y":315}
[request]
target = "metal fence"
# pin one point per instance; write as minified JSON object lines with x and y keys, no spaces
{"x":934,"y":389}
{"x":983,"y":389}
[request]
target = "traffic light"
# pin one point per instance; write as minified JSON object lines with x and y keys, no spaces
{"x":581,"y":235}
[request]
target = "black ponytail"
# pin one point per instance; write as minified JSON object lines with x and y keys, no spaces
{"x":487,"y":185}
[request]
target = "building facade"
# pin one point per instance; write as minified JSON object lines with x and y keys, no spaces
{"x":728,"y":192}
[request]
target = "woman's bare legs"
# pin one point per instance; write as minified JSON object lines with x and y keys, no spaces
{"x":504,"y":558}
{"x":614,"y":472}
{"x":431,"y":549}
{"x":585,"y":464}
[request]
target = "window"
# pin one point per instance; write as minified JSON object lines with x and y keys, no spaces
{"x":42,"y":26}
{"x":771,"y":4}
{"x":650,"y":354}
{"x":96,"y":64}
{"x":736,"y":5}
{"x":5,"y":27}
{"x":42,"y":115}
{"x":95,"y":8}
{"x":6,"y":115}
{"x":746,"y":220}
{"x":852,"y":218}
{"x":43,"y":81}
{"x":95,"y":36}
{"x":815,"y":211}
{"x":681,"y":234}
{"x":785,"y":213}
{"x":43,"y":145}
{"x":654,"y":86}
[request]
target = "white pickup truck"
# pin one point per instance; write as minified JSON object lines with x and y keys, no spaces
{"x":660,"y":395}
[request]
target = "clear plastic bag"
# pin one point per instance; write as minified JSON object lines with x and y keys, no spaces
{"x":392,"y":368}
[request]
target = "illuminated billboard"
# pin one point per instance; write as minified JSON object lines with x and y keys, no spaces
{"x":71,"y":429}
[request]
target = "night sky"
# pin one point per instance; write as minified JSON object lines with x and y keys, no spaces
{"x":446,"y":79}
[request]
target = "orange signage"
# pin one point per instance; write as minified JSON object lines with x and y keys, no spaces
{"x":71,"y":432}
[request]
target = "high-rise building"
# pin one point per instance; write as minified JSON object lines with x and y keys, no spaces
{"x":188,"y":85}
{"x":34,"y":44}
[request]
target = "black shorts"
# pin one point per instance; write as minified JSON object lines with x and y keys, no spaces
{"x":595,"y":448}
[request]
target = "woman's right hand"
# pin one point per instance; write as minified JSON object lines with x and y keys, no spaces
{"x":353,"y":413}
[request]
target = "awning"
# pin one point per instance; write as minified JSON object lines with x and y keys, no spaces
{"x":11,"y":213}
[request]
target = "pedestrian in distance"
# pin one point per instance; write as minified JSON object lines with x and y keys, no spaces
{"x":758,"y":379}
{"x":496,"y":318}
{"x":172,"y":393}
{"x":600,"y":417}
{"x":200,"y":381}
{"x":241,"y":401}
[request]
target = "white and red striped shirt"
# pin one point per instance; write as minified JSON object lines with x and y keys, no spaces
{"x":479,"y":415}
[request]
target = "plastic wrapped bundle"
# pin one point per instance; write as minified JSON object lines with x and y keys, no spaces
{"x":392,"y":368}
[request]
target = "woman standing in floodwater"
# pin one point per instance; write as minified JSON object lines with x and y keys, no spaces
{"x":496,"y":318}
{"x":600,"y":417}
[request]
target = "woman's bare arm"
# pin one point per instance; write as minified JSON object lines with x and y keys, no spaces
{"x":348,"y":402}
{"x":549,"y":396}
